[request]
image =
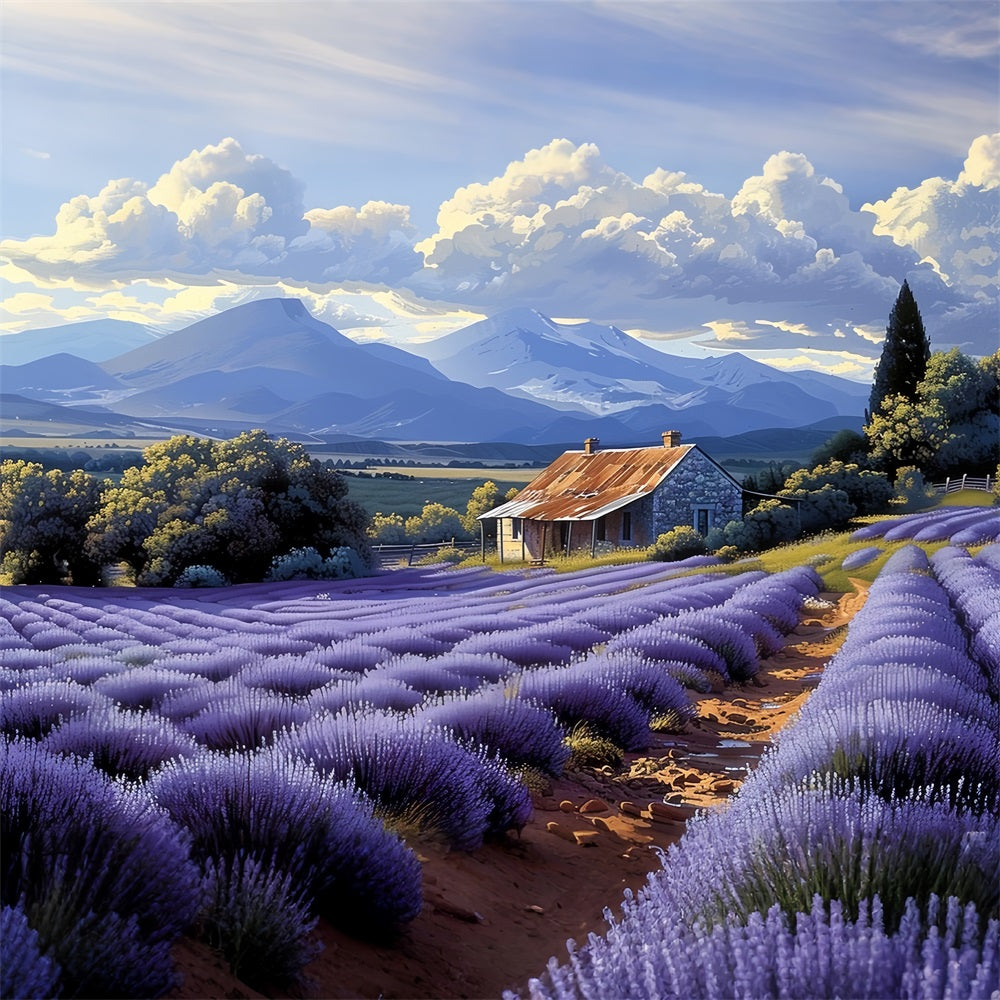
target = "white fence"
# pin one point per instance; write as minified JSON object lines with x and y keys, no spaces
{"x":953,"y":485}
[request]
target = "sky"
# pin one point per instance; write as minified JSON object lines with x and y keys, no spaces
{"x":708,"y":176}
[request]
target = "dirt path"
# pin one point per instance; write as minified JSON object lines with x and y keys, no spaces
{"x":492,"y":919}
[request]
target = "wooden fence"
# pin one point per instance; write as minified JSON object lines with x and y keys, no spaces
{"x":953,"y":485}
{"x":409,"y":553}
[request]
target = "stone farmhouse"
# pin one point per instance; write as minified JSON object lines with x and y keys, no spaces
{"x":594,"y":500}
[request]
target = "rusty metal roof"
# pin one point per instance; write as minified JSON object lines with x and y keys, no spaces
{"x":582,"y":487}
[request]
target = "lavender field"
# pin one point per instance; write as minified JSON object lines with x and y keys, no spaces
{"x":239,"y":762}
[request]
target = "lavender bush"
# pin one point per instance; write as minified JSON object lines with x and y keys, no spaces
{"x":414,"y":775}
{"x":823,"y":954}
{"x":522,"y":733}
{"x":103,"y":875}
{"x":121,"y":743}
{"x":289,"y":819}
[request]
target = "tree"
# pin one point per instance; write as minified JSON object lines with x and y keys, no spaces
{"x":905,"y":354}
{"x":905,"y":432}
{"x":43,"y":517}
{"x":435,"y":523}
{"x":484,"y":498}
{"x":869,"y":492}
{"x":233,"y":505}
{"x":950,"y":426}
{"x":844,"y":446}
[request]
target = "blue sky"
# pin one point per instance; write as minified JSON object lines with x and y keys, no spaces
{"x":401,"y":166}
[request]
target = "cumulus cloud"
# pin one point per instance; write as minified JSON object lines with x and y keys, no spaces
{"x":954,"y":224}
{"x":784,"y":259}
{"x":562,"y":230}
{"x":217,"y":211}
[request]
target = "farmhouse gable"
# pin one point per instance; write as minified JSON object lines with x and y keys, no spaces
{"x":617,"y":497}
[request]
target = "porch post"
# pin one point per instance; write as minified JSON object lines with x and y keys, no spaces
{"x":542,"y":553}
{"x":500,"y":538}
{"x":482,"y":540}
{"x":569,"y":536}
{"x":593,"y":538}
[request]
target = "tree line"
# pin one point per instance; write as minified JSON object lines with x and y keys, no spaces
{"x":218,"y":511}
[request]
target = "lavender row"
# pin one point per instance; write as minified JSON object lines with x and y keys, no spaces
{"x":973,"y":585}
{"x":959,"y":525}
{"x":881,"y":798}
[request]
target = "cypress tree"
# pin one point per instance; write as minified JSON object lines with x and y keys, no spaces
{"x":905,"y":353}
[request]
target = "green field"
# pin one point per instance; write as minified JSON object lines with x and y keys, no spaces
{"x":451,"y":487}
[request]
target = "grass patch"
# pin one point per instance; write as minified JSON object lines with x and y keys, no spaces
{"x":589,"y":749}
{"x":967,"y":498}
{"x":408,"y":496}
{"x":562,"y":563}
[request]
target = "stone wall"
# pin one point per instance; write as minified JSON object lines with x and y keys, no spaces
{"x":695,"y":482}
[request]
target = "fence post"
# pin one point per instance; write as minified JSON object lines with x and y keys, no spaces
{"x":964,"y":476}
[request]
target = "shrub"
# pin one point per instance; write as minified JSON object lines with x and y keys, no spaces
{"x":403,"y":768}
{"x":201,"y":576}
{"x":820,"y":953}
{"x":681,"y":542}
{"x":239,"y":717}
{"x":119,"y":743}
{"x":521,"y":733}
{"x":769,"y":524}
{"x":387,"y":529}
{"x":575,"y":697}
{"x":103,"y":875}
{"x":259,"y":920}
{"x":435,"y":523}
{"x":912,"y":490}
{"x":291,"y":821}
{"x":306,"y":563}
{"x":34,"y":709}
{"x":588,"y":748}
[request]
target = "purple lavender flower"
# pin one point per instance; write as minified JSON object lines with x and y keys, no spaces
{"x":407,"y":770}
{"x":490,"y":718}
{"x":290,"y":819}
{"x":576,"y":697}
{"x":103,"y":875}
{"x":238,"y":717}
{"x":823,"y":953}
{"x":32,"y":710}
{"x":121,"y":743}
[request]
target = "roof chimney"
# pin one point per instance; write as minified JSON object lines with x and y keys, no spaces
{"x":591,"y":445}
{"x":671,"y":439}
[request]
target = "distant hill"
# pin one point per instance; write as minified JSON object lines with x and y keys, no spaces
{"x":518,"y":377}
{"x":93,"y":340}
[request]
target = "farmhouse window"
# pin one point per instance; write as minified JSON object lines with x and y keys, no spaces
{"x":515,"y":528}
{"x":626,"y":526}
{"x":602,"y":529}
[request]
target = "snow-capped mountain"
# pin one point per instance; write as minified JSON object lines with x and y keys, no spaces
{"x":517,"y":377}
{"x":587,"y":367}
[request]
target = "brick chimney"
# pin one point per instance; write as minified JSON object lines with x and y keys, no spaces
{"x":591,"y":445}
{"x":671,"y":439}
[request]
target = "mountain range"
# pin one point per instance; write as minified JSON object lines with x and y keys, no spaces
{"x":518,"y":376}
